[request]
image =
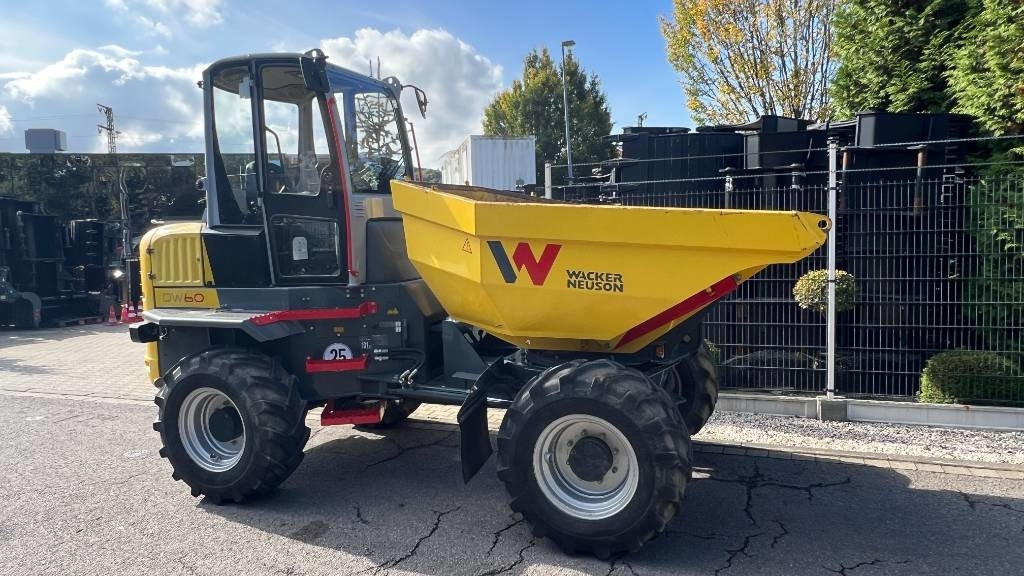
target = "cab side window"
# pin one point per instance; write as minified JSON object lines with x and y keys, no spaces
{"x":296,"y":140}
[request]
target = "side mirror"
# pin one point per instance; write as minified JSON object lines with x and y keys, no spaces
{"x":397,"y":87}
{"x":421,"y":101}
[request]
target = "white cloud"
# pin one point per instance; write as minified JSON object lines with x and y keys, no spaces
{"x":161,"y":17}
{"x":6,"y":127}
{"x":159,"y":108}
{"x":459,"y":81}
{"x":198,"y":12}
{"x":69,"y":73}
{"x":119,"y":51}
{"x":156,"y":108}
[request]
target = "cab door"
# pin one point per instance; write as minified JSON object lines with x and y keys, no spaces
{"x":300,"y":190}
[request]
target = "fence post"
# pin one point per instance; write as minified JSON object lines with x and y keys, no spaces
{"x":547,"y":180}
{"x":830,"y":359}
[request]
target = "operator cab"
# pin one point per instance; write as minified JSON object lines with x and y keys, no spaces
{"x":300,"y":154}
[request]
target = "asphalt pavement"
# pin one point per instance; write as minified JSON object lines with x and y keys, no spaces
{"x":85,"y":492}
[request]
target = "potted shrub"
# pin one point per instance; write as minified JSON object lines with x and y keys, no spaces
{"x":811,"y":291}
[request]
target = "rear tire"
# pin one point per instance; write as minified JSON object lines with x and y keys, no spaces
{"x":595,"y":456}
{"x":232,"y":424}
{"x":693,"y":384}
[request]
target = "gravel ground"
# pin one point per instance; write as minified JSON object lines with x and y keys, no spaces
{"x":920,"y":441}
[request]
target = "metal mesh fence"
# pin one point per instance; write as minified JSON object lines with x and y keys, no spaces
{"x":938,"y":265}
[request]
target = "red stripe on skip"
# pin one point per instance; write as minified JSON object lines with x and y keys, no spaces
{"x":364,"y":309}
{"x":691,"y":304}
{"x":347,"y":365}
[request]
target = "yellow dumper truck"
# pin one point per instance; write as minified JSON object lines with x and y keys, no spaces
{"x":322,"y":276}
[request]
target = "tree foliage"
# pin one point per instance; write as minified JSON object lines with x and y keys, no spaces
{"x":987,"y":73}
{"x":893,"y":54}
{"x":994,"y":293}
{"x":534,"y":106}
{"x":740,"y":59}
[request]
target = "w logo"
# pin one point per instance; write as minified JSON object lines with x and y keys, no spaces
{"x":522,"y":257}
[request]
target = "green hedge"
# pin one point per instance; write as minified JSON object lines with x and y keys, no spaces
{"x":971,"y":377}
{"x":994,"y":292}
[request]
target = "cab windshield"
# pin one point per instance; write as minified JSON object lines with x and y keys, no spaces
{"x":371,"y":122}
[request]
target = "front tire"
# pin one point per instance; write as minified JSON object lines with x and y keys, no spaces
{"x":232,"y":424}
{"x":595,"y":456}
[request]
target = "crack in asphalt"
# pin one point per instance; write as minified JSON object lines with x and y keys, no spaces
{"x":516,"y":562}
{"x":781,"y":535}
{"x":388,"y":564}
{"x":403,"y":449}
{"x":359,"y":515}
{"x":758,"y":480}
{"x":733,"y":553}
{"x":613,"y":565}
{"x":497,"y":535}
{"x":751,"y":482}
{"x":843,"y":568}
{"x":973,"y":503}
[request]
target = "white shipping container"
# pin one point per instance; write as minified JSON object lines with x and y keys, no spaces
{"x":491,"y":162}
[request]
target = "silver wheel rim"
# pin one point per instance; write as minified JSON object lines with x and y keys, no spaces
{"x":197,"y":436}
{"x":571,"y":494}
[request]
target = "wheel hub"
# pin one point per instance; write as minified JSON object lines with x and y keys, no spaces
{"x":211,"y":429}
{"x":590,"y":459}
{"x":225,"y":424}
{"x":585,"y":466}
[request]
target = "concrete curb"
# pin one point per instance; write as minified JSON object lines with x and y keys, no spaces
{"x":874,"y":459}
{"x":881,"y":411}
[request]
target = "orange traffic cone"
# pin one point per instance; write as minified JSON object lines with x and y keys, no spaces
{"x":112,"y":316}
{"x":124,"y":313}
{"x":133,"y":314}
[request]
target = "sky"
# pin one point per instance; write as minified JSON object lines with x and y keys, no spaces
{"x":60,"y":58}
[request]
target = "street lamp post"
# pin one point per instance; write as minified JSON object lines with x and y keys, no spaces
{"x":565,"y":102}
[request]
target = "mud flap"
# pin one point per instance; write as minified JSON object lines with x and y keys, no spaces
{"x":475,"y":439}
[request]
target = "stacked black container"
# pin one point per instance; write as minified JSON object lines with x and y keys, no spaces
{"x":89,"y":247}
{"x":665,"y":167}
{"x":902,"y":235}
{"x":899,"y":231}
{"x":60,"y":264}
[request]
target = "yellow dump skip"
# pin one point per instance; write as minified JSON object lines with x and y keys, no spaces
{"x":555,"y":276}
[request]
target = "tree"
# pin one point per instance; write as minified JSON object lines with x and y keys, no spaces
{"x":740,"y":59}
{"x":534,"y":106}
{"x":893,"y":54}
{"x":987,"y":73}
